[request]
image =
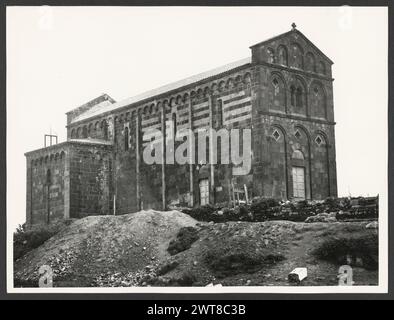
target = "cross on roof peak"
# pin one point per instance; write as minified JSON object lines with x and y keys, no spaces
{"x":293,"y":25}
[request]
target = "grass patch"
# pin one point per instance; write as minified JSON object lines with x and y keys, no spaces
{"x":26,"y":240}
{"x":184,"y":239}
{"x":230,"y":264}
{"x":357,"y":251}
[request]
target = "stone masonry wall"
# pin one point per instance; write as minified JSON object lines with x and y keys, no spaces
{"x":90,"y":180}
{"x":285,"y":96}
{"x":46,"y":187}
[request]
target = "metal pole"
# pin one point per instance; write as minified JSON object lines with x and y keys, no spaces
{"x":246,"y":194}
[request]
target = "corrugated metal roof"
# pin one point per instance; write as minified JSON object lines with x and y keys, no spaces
{"x":99,"y":109}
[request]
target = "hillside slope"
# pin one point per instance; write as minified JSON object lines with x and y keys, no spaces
{"x":95,"y":245}
{"x":131,"y":250}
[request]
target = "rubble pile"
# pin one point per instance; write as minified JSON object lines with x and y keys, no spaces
{"x":126,"y":279}
{"x":62,"y":263}
{"x":262,"y":209}
{"x":322,"y":217}
{"x":106,"y":250}
{"x":132,"y":250}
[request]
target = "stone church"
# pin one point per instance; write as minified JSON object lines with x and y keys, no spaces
{"x":283,"y":93}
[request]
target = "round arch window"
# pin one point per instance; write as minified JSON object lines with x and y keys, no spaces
{"x":297,"y":154}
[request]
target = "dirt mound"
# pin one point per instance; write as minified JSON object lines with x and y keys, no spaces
{"x":262,"y":254}
{"x":152,"y":248}
{"x":92,"y":250}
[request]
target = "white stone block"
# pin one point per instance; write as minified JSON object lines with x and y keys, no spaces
{"x":298,"y":274}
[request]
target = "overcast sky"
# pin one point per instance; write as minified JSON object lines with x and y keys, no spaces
{"x":61,"y":57}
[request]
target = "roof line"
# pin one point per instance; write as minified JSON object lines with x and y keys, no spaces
{"x":289,"y":32}
{"x":173,"y":86}
{"x":97,"y":142}
{"x":101,"y":96}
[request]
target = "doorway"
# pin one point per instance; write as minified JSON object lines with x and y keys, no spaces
{"x":298,"y":174}
{"x":204,"y":191}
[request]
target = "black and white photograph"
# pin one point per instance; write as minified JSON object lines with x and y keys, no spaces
{"x":197,"y":149}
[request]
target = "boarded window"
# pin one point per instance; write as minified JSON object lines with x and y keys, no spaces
{"x":204,"y":192}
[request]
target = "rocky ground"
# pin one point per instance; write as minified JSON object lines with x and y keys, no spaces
{"x":131,"y":250}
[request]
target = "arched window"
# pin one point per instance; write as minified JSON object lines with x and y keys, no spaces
{"x":299,"y":98}
{"x":126,"y":138}
{"x":275,"y":83}
{"x":132,"y":137}
{"x":247,"y":79}
{"x":73,"y":134}
{"x":174,"y":124}
{"x":292,"y":95}
{"x":220,"y":113}
{"x":104,"y":127}
{"x":318,"y":101}
{"x":78,"y":133}
{"x":322,"y":166}
{"x":282,"y":55}
{"x":222,"y":86}
{"x":230,"y":84}
{"x":271,"y":55}
{"x":48,"y":180}
{"x":84,"y":132}
{"x":321,"y":68}
{"x":278,"y":152}
{"x":278,"y":95}
{"x":298,"y":59}
{"x":310,"y":62}
{"x":297,"y":154}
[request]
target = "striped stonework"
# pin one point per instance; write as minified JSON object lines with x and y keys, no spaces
{"x":237,"y":107}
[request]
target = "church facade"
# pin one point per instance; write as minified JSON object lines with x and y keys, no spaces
{"x":283,"y":93}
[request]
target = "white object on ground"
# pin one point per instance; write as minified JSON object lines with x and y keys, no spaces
{"x":213,"y":285}
{"x":372,"y":225}
{"x":298,"y":274}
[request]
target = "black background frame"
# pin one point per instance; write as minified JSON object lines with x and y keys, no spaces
{"x":186,"y":298}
